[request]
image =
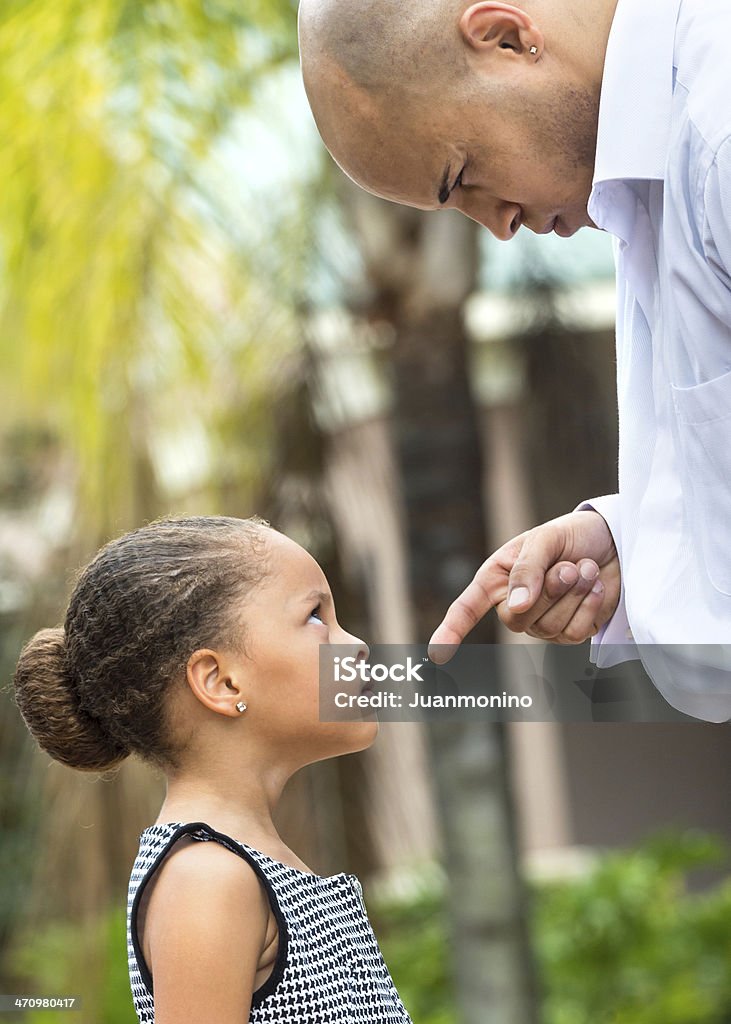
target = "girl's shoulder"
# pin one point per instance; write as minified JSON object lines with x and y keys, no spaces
{"x":327,"y":957}
{"x":193,"y":885}
{"x":202,"y":898}
{"x":163,"y":835}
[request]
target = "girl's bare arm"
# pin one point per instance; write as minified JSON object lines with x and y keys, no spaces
{"x":206,"y":928}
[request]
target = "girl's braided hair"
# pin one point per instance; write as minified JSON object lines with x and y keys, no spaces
{"x":96,"y":689}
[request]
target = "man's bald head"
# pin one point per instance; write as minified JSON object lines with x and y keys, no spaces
{"x":487,"y":106}
{"x":373,"y":67}
{"x":381,"y":46}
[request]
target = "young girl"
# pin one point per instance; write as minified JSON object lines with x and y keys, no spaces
{"x":194,"y":643}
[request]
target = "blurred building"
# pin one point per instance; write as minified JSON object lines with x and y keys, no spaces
{"x":577,"y":787}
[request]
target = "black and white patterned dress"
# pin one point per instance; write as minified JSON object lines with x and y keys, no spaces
{"x":329,"y":967}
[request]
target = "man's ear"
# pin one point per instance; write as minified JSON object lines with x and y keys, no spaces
{"x":214,"y":678}
{"x":489,"y":26}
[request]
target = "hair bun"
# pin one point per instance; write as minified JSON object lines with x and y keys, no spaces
{"x":46,"y":698}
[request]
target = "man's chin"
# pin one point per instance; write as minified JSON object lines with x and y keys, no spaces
{"x":561,"y":226}
{"x":567,"y":229}
{"x":564,"y":230}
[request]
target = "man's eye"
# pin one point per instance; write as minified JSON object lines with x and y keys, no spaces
{"x":315,"y":614}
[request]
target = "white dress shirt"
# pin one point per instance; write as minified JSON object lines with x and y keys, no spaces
{"x":662,"y":188}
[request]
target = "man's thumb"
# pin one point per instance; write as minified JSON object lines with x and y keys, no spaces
{"x":529,"y":571}
{"x":519,"y":597}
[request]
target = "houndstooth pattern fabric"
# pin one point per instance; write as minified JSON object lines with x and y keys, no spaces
{"x":329,"y":967}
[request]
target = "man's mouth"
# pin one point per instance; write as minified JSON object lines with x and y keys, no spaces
{"x":549,"y":227}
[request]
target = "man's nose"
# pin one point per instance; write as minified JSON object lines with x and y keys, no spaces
{"x":500,"y":218}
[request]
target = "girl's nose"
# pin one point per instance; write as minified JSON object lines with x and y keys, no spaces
{"x":351,"y":640}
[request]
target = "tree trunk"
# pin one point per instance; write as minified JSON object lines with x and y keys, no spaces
{"x":421,"y":268}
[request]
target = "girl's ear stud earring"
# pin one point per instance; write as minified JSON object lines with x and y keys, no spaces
{"x":240,"y":706}
{"x":534,"y":49}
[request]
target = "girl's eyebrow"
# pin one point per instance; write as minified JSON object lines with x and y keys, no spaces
{"x":320,"y":595}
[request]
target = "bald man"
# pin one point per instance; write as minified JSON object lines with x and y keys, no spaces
{"x":553,"y":116}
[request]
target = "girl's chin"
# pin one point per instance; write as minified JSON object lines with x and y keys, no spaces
{"x":367,"y":733}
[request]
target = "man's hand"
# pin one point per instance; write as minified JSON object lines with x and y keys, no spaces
{"x":562,"y":580}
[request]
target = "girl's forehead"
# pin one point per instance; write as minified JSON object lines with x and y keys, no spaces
{"x":294,"y":565}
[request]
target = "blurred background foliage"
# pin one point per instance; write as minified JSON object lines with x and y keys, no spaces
{"x":626,"y":944}
{"x":127,"y":291}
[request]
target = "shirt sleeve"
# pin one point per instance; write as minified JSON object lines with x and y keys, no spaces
{"x":717,"y":213}
{"x":705,"y":669}
{"x":614,"y":642}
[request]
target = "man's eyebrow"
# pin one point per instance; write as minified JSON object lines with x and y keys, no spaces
{"x":444,"y":189}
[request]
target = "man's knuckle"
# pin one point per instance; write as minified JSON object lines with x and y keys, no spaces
{"x":524,"y":563}
{"x":553,"y":589}
{"x":505,"y":616}
{"x":574,"y":634}
{"x":569,"y":636}
{"x":465,"y":611}
{"x":511,"y":622}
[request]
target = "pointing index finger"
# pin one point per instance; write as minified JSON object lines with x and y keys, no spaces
{"x":482,"y":594}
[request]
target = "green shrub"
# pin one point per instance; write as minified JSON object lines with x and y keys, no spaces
{"x":627,"y":944}
{"x":630,"y":945}
{"x":52,"y":961}
{"x":412,"y":937}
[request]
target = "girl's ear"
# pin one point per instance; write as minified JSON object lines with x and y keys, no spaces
{"x":213,"y":679}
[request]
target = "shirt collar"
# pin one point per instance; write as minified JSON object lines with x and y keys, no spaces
{"x":636,"y":95}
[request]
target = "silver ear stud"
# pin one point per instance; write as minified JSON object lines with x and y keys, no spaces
{"x":534,"y":49}
{"x":240,"y":706}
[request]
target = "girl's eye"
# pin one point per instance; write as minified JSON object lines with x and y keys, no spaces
{"x":315,"y":614}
